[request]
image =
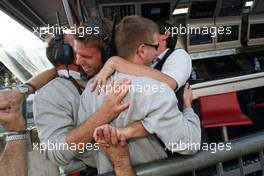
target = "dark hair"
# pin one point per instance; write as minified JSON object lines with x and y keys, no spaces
{"x":171,"y":41}
{"x":102,"y":39}
{"x":51,"y":50}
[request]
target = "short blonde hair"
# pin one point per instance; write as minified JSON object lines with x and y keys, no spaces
{"x":133,"y":31}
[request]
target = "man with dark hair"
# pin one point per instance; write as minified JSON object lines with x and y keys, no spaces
{"x":172,"y":39}
{"x":137,"y":41}
{"x":56,"y":108}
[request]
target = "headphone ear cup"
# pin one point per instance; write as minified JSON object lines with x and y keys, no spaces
{"x":64,"y":54}
{"x":109,"y":51}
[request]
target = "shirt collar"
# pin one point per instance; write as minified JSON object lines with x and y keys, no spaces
{"x":155,"y":61}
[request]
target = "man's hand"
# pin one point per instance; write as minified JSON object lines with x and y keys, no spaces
{"x":7,"y":96}
{"x":99,"y":80}
{"x":12,"y":120}
{"x":113,"y":102}
{"x":187,"y":96}
{"x":113,"y":143}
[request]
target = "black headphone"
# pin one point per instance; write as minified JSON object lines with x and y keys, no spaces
{"x":64,"y":52}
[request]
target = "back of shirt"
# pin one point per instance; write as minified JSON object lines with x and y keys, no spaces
{"x":152,"y":102}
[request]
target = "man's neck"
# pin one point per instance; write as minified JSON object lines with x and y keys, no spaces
{"x":135,"y":60}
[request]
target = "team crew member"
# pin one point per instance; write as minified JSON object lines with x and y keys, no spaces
{"x":160,"y":114}
{"x":175,"y":65}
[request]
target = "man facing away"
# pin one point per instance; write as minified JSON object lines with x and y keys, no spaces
{"x":136,"y":41}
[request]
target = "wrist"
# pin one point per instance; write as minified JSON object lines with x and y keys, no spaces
{"x":20,"y":96}
{"x":126,"y":131}
{"x":16,"y":135}
{"x":104,"y":115}
{"x":187,"y":105}
{"x":121,"y":162}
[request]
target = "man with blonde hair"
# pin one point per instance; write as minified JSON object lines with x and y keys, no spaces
{"x":137,"y":42}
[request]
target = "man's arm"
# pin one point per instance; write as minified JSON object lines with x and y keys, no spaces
{"x":13,"y":160}
{"x":55,"y":119}
{"x":109,"y":110}
{"x":37,"y":81}
{"x":134,"y":130}
{"x":173,"y":127}
{"x":115,"y":146}
{"x":123,"y":66}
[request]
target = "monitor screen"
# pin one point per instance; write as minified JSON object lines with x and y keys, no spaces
{"x":200,"y":39}
{"x":202,"y":9}
{"x":256,"y":31}
{"x":157,"y":11}
{"x":233,"y":36}
{"x":231,"y":8}
{"x":120,"y":10}
{"x":223,"y":66}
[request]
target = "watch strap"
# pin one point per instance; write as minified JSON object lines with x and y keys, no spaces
{"x":32,"y":87}
{"x":16,"y":135}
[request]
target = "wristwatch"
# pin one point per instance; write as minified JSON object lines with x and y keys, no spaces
{"x":25,"y":89}
{"x":21,"y":135}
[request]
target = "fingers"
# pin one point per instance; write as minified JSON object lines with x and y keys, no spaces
{"x":14,"y":107}
{"x":106,"y":135}
{"x":122,"y":88}
{"x":187,"y":86}
{"x":93,"y":83}
{"x":3,"y":117}
{"x":124,"y":106}
{"x":114,"y":139}
{"x":122,"y":140}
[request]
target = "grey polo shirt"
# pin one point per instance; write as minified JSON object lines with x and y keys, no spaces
{"x":157,"y":108}
{"x":55,"y":111}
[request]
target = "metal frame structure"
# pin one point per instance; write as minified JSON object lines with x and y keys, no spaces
{"x":240,"y":147}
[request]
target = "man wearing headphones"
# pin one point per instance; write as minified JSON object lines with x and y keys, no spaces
{"x":56,"y":107}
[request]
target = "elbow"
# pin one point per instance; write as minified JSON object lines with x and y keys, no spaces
{"x":57,"y":158}
{"x":193,"y":145}
{"x":173,"y":84}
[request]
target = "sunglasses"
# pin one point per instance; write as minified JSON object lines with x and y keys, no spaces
{"x":151,"y":45}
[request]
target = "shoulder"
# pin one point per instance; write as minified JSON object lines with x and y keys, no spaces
{"x":58,"y":87}
{"x":180,"y":53}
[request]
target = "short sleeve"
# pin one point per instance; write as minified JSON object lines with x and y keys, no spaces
{"x":178,"y":66}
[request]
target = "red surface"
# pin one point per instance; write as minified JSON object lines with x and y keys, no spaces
{"x":74,"y":174}
{"x":222,"y":110}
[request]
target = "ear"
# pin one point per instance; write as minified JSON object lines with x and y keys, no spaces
{"x":141,"y":51}
{"x":165,"y":36}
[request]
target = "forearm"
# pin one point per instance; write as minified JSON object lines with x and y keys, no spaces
{"x":126,"y":67}
{"x":124,"y":168}
{"x":84,"y":132}
{"x":43,"y":78}
{"x":134,"y":130}
{"x":14,"y":158}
